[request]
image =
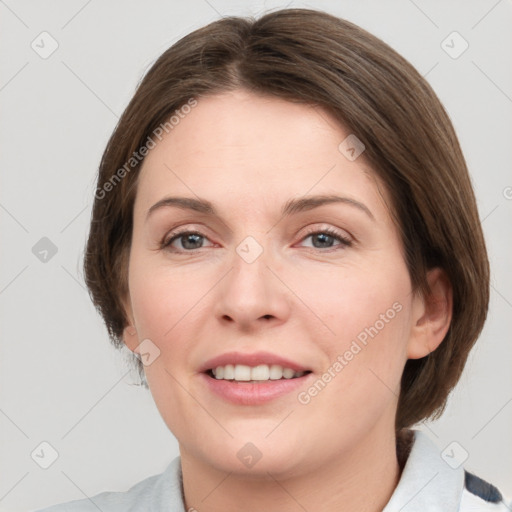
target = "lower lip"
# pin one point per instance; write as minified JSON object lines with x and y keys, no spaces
{"x":251,"y":393}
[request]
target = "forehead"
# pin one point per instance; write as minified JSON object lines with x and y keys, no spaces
{"x":249,"y":150}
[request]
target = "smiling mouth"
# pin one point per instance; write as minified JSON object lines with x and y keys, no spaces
{"x":241,"y":373}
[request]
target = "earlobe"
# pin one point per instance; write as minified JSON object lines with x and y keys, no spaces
{"x":130,"y":337}
{"x":431,"y":315}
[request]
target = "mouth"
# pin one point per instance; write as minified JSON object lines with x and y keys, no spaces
{"x":262,"y":373}
{"x":255,"y":378}
{"x":244,"y":385}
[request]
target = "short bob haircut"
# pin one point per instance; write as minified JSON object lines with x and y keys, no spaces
{"x":314,"y":58}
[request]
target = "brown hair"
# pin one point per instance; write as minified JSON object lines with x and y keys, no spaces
{"x":312,"y":57}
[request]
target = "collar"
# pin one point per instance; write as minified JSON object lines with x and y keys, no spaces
{"x":427,"y":483}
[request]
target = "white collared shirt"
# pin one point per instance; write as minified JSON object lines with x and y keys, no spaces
{"x":427,"y":484}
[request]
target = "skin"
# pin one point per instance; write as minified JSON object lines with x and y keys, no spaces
{"x":303,"y":298}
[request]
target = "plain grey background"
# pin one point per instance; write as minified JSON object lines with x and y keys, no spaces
{"x":60,"y":380}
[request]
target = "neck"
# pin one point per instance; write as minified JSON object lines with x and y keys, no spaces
{"x":361,"y":479}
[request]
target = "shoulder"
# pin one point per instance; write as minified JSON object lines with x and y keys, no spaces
{"x":154,"y":493}
{"x":478,"y":494}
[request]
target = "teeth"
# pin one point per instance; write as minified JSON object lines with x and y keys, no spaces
{"x":288,"y":373}
{"x":229,"y":371}
{"x":242,"y":372}
{"x":261,"y":372}
{"x":276,"y":372}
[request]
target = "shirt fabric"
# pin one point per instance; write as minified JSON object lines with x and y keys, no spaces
{"x":427,"y":484}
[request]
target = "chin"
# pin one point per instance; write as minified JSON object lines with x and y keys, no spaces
{"x":257,"y":459}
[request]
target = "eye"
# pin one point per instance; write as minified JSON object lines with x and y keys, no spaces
{"x":325,"y":237}
{"x":190,"y":240}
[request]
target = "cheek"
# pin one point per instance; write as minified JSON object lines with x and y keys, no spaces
{"x":352,"y":303}
{"x":368,"y":316}
{"x":365,"y":359}
{"x":164,"y":298}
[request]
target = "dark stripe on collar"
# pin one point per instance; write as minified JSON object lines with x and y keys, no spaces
{"x":475,"y":485}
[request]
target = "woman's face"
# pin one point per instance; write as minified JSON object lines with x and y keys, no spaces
{"x":322,"y":288}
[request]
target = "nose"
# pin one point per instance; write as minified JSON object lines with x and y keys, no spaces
{"x":253,"y":293}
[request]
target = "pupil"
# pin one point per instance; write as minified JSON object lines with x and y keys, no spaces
{"x":323,"y":236}
{"x":187,"y":238}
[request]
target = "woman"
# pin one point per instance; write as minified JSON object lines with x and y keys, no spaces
{"x":285,"y":234}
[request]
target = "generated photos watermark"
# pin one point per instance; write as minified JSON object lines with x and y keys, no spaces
{"x":138,"y":156}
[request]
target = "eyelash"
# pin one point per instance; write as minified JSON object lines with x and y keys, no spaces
{"x":345,"y":242}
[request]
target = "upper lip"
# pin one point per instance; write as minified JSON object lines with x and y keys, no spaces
{"x":251,"y":359}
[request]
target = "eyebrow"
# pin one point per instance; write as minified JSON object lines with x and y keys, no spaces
{"x":291,"y":207}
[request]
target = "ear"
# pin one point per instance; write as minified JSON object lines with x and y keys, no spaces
{"x":130,"y":338}
{"x":432,"y":315}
